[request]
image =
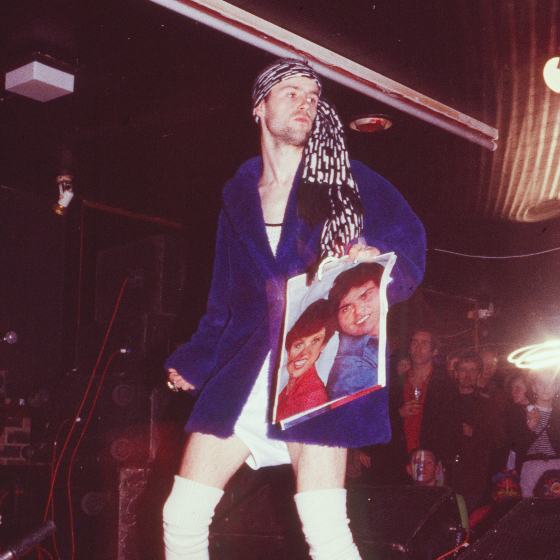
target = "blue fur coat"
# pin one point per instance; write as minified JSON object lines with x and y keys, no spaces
{"x":246,"y":306}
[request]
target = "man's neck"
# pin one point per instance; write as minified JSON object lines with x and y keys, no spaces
{"x":280,"y":165}
{"x":483,"y":382}
{"x":420,"y":372}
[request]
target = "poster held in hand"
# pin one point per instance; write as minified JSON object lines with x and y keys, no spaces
{"x":334,"y":339}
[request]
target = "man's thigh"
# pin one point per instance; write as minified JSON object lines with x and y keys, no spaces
{"x":317,"y":467}
{"x":211,"y":460}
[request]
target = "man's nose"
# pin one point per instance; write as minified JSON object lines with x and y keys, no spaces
{"x":304,"y":103}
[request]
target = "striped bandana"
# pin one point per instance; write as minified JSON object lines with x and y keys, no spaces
{"x":328,"y":191}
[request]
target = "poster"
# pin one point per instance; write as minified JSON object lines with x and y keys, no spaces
{"x":334,"y":338}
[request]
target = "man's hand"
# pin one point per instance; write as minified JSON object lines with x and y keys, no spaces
{"x":360,"y":251}
{"x":533,"y":417}
{"x":179,"y":381}
{"x":410,"y":408}
{"x":365,"y":460}
{"x":467,"y":430}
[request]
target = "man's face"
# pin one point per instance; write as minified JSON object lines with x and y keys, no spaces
{"x":358,"y":312}
{"x":403,"y":366}
{"x":545,"y":388}
{"x":421,"y":351}
{"x":423,"y":468}
{"x":519,"y":391}
{"x":490,"y":363}
{"x":467,"y":374}
{"x":304,"y":352}
{"x":288,"y":111}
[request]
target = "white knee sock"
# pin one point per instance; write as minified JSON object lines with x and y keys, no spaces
{"x":186,"y":519}
{"x":325,"y":524}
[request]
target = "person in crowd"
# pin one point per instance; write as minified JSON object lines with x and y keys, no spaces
{"x":424,"y":469}
{"x":450,"y":363}
{"x":517,"y":391}
{"x":534,"y":431}
{"x":490,"y":381}
{"x":517,"y":388}
{"x":354,"y":297}
{"x":305,"y":342}
{"x":481,"y":433}
{"x":504,"y":496}
{"x":282,"y":214}
{"x":402,"y":367}
{"x":427,"y":407}
{"x":490,"y":385}
{"x":548,"y":485}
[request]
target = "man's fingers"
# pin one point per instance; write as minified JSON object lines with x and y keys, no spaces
{"x":179,"y":381}
{"x":360,"y":252}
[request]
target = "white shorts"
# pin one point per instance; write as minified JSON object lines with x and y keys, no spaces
{"x":251,"y":426}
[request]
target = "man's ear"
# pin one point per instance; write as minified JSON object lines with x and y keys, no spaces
{"x":259,"y":110}
{"x":434,"y":352}
{"x":408,"y":470}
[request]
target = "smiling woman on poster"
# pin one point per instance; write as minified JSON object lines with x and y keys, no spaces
{"x":304,"y":343}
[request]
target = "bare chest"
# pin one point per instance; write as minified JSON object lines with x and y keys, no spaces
{"x":274,"y":201}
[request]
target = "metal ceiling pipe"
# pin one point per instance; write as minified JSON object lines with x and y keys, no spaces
{"x":269,"y":37}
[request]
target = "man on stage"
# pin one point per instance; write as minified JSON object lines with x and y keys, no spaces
{"x":282,"y":213}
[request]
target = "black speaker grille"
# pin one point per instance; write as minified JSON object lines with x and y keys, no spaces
{"x":530,"y":531}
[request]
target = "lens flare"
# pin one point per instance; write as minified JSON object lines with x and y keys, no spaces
{"x":537,"y":356}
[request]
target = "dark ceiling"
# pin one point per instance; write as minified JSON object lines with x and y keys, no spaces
{"x":160,"y":119}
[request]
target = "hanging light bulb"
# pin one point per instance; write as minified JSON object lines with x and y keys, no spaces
{"x":551,"y":74}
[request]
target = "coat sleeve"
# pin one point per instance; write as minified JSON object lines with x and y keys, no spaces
{"x":196,"y":360}
{"x":519,"y":435}
{"x":391,"y":225}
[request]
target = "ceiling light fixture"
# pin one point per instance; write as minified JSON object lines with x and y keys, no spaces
{"x":551,"y":74}
{"x":41,"y":79}
{"x":65,"y":193}
{"x":371,"y":123}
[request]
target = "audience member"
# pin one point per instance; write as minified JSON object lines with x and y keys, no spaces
{"x":517,"y":388}
{"x":428,"y":404}
{"x":490,"y":380}
{"x":534,"y":432}
{"x":424,"y":469}
{"x":481,"y":433}
{"x":450,"y":362}
{"x":403,"y":366}
{"x":490,"y":385}
{"x":548,"y":485}
{"x":505,"y":495}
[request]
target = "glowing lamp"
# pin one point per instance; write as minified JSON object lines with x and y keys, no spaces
{"x":551,"y":74}
{"x":537,"y":356}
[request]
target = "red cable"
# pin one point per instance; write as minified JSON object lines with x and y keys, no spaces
{"x":95,"y":399}
{"x":464,"y":543}
{"x":66,"y":442}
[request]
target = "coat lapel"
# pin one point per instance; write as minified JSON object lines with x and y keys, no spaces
{"x":298,"y":241}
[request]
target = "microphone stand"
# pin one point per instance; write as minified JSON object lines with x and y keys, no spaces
{"x":30,"y":541}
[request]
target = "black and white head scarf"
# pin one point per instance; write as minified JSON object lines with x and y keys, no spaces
{"x":328,"y":191}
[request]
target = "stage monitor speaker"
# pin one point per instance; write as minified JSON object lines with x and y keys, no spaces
{"x":531,"y":530}
{"x":155,"y":268}
{"x":388,"y":522}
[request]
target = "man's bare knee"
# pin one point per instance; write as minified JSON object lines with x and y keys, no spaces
{"x":318,"y":467}
{"x":211,"y":460}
